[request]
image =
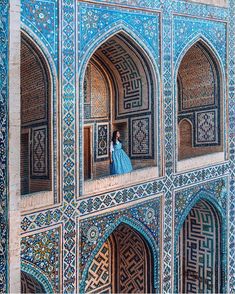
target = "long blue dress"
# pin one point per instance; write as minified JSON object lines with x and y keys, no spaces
{"x":121,"y":163}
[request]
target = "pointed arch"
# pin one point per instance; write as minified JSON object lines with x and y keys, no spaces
{"x":36,"y":128}
{"x":199,"y":38}
{"x":27,"y":32}
{"x":207,"y":197}
{"x":37,"y":274}
{"x":207,"y":107}
{"x":29,"y":35}
{"x":185,"y":137}
{"x":144,"y":233}
{"x":129,"y":40}
{"x":118,"y":27}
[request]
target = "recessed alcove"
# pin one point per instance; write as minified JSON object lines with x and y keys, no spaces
{"x":127,"y":254}
{"x":199,"y":252}
{"x":200,"y":109}
{"x":36,"y":127}
{"x":119,"y":93}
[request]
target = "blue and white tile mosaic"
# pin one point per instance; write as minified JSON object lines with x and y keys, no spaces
{"x":4,"y":10}
{"x":83,"y":27}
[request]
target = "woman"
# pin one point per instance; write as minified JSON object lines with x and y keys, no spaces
{"x":120,"y":162}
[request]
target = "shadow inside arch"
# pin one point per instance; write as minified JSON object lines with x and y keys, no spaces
{"x":117,"y":27}
{"x":204,"y":195}
{"x":142,"y":230}
{"x":199,"y":38}
{"x":38,"y":274}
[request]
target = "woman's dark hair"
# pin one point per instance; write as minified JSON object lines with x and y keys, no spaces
{"x":114,"y":137}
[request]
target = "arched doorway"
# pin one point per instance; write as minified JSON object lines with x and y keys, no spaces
{"x":35,"y":119}
{"x":30,"y":285}
{"x":199,"y":251}
{"x":199,"y":89}
{"x":122,"y":265}
{"x":119,"y":94}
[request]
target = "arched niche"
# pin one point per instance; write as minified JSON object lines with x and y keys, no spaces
{"x":29,"y":284}
{"x":35,"y":119}
{"x":118,"y":93}
{"x":199,"y":252}
{"x":122,"y":265}
{"x":185,"y":138}
{"x":200,"y":96}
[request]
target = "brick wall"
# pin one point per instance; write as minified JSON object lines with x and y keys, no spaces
{"x":35,"y":105}
{"x":199,"y":94}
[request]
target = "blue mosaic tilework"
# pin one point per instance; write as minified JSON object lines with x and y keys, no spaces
{"x":135,"y":3}
{"x":187,"y":30}
{"x":119,"y":197}
{"x":37,"y":274}
{"x":67,"y":212}
{"x":206,"y":127}
{"x":196,"y":10}
{"x":169,"y":147}
{"x":215,"y":193}
{"x":96,"y":20}
{"x":43,"y":251}
{"x":141,"y":128}
{"x":179,"y":6}
{"x":41,"y":219}
{"x":41,"y":16}
{"x":3,"y":144}
{"x":68,"y":84}
{"x":102,"y":139}
{"x":217,"y":189}
{"x":199,"y":175}
{"x":231,"y":263}
{"x":144,"y":217}
{"x":202,"y":234}
{"x":49,"y":217}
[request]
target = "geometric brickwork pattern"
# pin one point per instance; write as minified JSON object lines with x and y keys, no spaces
{"x":102,"y":140}
{"x":4,"y":9}
{"x":121,"y":265}
{"x":99,"y":21}
{"x":198,"y":89}
{"x":30,"y":285}
{"x":186,"y":29}
{"x":43,"y":251}
{"x":34,"y":84}
{"x":133,"y":92}
{"x":199,"y":243}
{"x":141,"y":136}
{"x":100,"y":275}
{"x":145,"y":218}
{"x":133,"y":98}
{"x":95,"y":93}
{"x":39,"y":152}
{"x":197,"y":80}
{"x":206,"y":127}
{"x":217,"y":189}
{"x":133,"y":267}
{"x":99,"y":93}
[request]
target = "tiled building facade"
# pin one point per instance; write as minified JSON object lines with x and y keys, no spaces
{"x":162,"y":72}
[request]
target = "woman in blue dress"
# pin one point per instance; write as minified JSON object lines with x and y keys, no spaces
{"x":119,"y":160}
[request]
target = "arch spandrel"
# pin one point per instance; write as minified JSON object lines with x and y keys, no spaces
{"x":141,"y":230}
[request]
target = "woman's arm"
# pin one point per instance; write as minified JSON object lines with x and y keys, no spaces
{"x":111,"y":151}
